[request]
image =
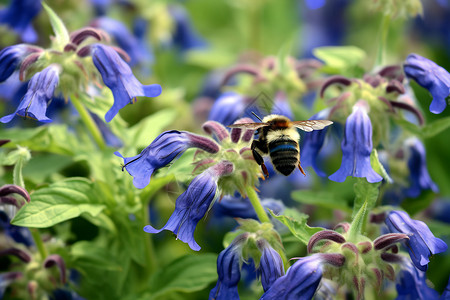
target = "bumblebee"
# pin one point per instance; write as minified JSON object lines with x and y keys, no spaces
{"x":278,"y":138}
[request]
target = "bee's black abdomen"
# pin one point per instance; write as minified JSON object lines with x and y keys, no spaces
{"x":284,"y":154}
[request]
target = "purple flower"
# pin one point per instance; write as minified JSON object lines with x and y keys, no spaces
{"x":193,"y":204}
{"x":227,"y":108}
{"x":19,"y":15}
{"x":300,"y":282}
{"x":411,"y":284}
{"x":430,"y":76}
{"x":446,"y":294}
{"x":313,"y":142}
{"x":421,"y":244}
{"x":117,"y":75}
{"x":40,"y":91}
{"x":184,"y":36}
{"x":281,"y":106}
{"x":418,"y":172}
{"x":123,"y":37}
{"x":356,"y":147}
{"x":10,"y":58}
{"x":164,"y":149}
{"x":271,"y":266}
{"x":229,"y":271}
{"x":17,"y":233}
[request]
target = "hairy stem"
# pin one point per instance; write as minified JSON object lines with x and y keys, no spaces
{"x":384,"y":29}
{"x":88,"y":121}
{"x":256,"y":203}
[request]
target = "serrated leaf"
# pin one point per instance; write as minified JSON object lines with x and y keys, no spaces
{"x":436,"y":127}
{"x":144,"y":132}
{"x":61,"y":34}
{"x":59,"y":202}
{"x":187,"y":274}
{"x":321,"y":198}
{"x":296,"y":223}
{"x":340,"y":58}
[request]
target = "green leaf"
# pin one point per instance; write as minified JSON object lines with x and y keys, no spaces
{"x":436,"y":127}
{"x":408,"y":126}
{"x":144,"y":132}
{"x":61,"y":34}
{"x":378,"y":167}
{"x":59,"y":202}
{"x":321,"y":198}
{"x":365,"y":192}
{"x":93,"y":255}
{"x":187,"y":274}
{"x":339,"y":58}
{"x":296,"y":223}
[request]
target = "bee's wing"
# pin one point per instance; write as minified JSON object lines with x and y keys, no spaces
{"x":310,"y":125}
{"x":249,"y":125}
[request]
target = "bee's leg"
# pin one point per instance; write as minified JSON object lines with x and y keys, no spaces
{"x":301,"y":169}
{"x":259,"y":160}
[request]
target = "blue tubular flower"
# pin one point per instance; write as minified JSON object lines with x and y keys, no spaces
{"x":300,"y":282}
{"x":19,"y":15}
{"x":184,"y":36}
{"x":40,"y":91}
{"x":446,"y":294}
{"x":117,"y":75}
{"x":281,"y":106}
{"x":227,"y":108}
{"x":411,"y":284}
{"x":10,"y":58}
{"x":271,"y":266}
{"x":356,"y":147}
{"x":123,"y":37}
{"x":17,"y":233}
{"x":315,"y":4}
{"x":164,"y":149}
{"x":418,"y":172}
{"x":193,"y":204}
{"x":421,"y":244}
{"x":313,"y":142}
{"x":229,"y":271}
{"x":430,"y":76}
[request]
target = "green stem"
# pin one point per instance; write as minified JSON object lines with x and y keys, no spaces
{"x":384,"y":29}
{"x":256,"y":203}
{"x":39,"y":243}
{"x":88,"y":121}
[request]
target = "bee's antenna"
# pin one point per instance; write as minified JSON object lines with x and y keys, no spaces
{"x":253,"y":113}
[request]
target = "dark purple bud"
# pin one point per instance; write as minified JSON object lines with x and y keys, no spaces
{"x":344,"y":226}
{"x":216,"y":129}
{"x":70,"y":47}
{"x":392,"y":72}
{"x":56,"y":260}
{"x":352,"y":248}
{"x":247,"y":69}
{"x":324,"y":235}
{"x":374,"y":81}
{"x":389,"y":272}
{"x":410,"y":108}
{"x":334,"y":259}
{"x":421,"y":244}
{"x":8,"y":189}
{"x":379,"y":277}
{"x":431,"y":77}
{"x":193,"y":204}
{"x":377,"y":218}
{"x":334,"y":80}
{"x":391,"y":257}
{"x":395,"y":86}
{"x":164,"y":149}
{"x":387,"y":240}
{"x":236,"y":132}
{"x":365,"y":246}
{"x":356,"y":147}
{"x":84,"y":51}
{"x":20,"y":254}
{"x":3,"y":142}
{"x":79,"y":36}
{"x":387,"y":102}
{"x":26,"y":63}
